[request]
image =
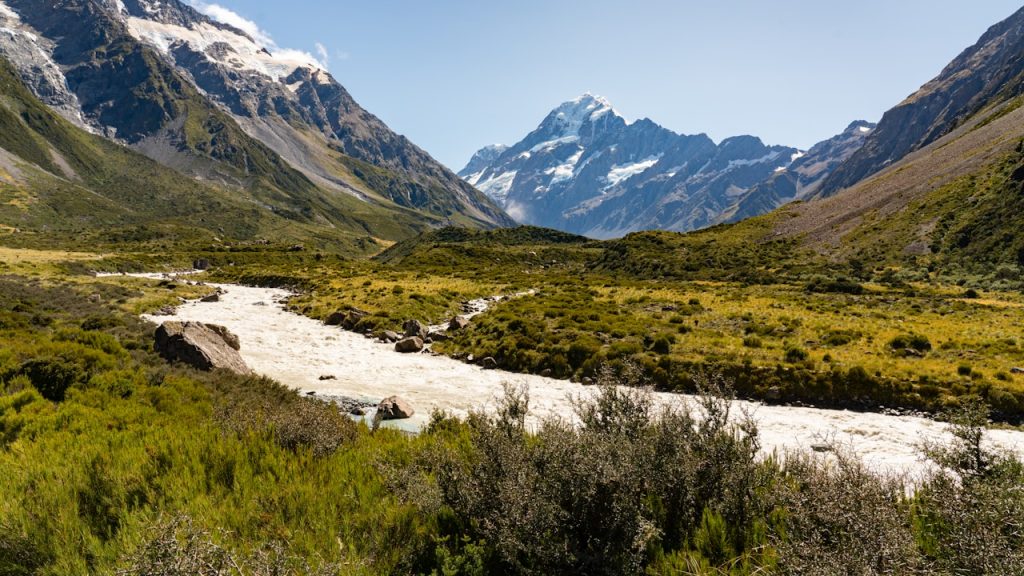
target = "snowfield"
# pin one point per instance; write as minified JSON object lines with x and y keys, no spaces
{"x":297,"y":351}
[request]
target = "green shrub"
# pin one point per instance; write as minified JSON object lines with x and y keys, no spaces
{"x":752,"y":342}
{"x":914,"y":342}
{"x":795,"y":355}
{"x":53,"y":376}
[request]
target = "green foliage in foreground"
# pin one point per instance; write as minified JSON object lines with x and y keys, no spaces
{"x":140,"y":467}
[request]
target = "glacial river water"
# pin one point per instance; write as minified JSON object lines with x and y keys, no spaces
{"x":298,"y":351}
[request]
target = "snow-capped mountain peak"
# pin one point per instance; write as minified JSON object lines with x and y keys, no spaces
{"x":586,"y":170}
{"x":568,"y":119}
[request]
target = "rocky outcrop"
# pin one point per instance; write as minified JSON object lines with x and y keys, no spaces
{"x":395,"y":408}
{"x":202,"y":346}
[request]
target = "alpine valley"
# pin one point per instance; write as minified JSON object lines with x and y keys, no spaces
{"x":246,"y":329}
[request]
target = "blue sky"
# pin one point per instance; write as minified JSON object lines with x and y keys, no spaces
{"x":454,"y":75}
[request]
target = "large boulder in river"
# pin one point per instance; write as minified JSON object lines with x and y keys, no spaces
{"x":395,"y":408}
{"x":415,"y":328}
{"x":202,"y":346}
{"x":409,"y":345}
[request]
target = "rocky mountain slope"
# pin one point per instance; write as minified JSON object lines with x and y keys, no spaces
{"x":802,"y":178}
{"x":954,"y":200}
{"x":209,"y":101}
{"x":61,"y":185}
{"x":984,"y":75}
{"x":587,"y":170}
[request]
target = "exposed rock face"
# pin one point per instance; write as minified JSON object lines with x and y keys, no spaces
{"x":803,"y":178}
{"x":587,"y":170}
{"x":202,"y":346}
{"x":989,"y":72}
{"x":395,"y":408}
{"x":409,"y":345}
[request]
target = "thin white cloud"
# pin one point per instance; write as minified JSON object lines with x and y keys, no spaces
{"x":261,"y":36}
{"x":321,"y":51}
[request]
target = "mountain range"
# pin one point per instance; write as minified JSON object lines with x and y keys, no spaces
{"x":588,"y":170}
{"x":271,"y":130}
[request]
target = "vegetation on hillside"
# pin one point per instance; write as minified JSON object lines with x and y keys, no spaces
{"x":115,"y":462}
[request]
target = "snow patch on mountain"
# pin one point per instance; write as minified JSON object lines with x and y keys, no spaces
{"x":564,"y":172}
{"x":243,"y":53}
{"x":6,"y":12}
{"x":498,"y":186}
{"x":770,"y":157}
{"x":620,"y":174}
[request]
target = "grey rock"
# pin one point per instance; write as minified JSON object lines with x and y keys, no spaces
{"x":1017,"y":370}
{"x":229,"y":337}
{"x":352,"y":318}
{"x":215,"y":297}
{"x":437,"y":336}
{"x":415,"y":328}
{"x":395,"y":408}
{"x":390,"y":336}
{"x":409,"y":345}
{"x":199,"y":345}
{"x":489,"y":363}
{"x":546,"y":373}
{"x":458,"y":323}
{"x":821,"y":448}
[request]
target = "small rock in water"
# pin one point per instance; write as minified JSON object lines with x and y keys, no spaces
{"x":215,"y":297}
{"x":260,"y":303}
{"x":588,"y":381}
{"x":313,"y":392}
{"x":1017,"y":370}
{"x":327,"y":377}
{"x":821,"y":447}
{"x":458,"y":323}
{"x":409,"y":345}
{"x":166,"y":311}
{"x":489,"y":363}
{"x":357,"y":412}
{"x":390,"y":336}
{"x":546,"y":373}
{"x":395,"y":408}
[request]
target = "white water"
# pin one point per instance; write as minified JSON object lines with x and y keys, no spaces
{"x":297,"y":351}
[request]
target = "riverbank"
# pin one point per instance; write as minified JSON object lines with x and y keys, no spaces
{"x":299,"y":351}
